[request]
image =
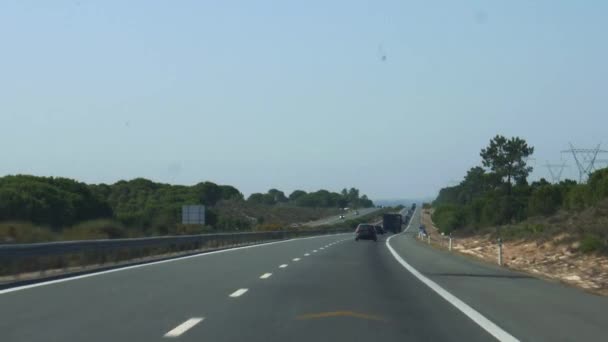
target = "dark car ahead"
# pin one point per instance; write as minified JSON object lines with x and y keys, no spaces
{"x":366,"y":232}
{"x":379,"y":229}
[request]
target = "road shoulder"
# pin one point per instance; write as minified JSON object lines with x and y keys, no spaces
{"x":523,"y":305}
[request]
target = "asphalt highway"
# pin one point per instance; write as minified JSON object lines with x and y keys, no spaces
{"x":327,"y":288}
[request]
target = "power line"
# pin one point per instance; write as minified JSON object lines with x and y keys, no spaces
{"x":556,"y":170}
{"x":585,"y":159}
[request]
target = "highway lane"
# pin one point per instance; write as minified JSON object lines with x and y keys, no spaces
{"x":229,"y":297}
{"x":143,"y":303}
{"x":529,"y":308}
{"x":337,"y":219}
{"x":354,"y":291}
{"x":322,"y":288}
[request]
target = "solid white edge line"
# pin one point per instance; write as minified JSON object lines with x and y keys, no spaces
{"x":182,"y":328}
{"x":265,"y":275}
{"x":238,"y":293}
{"x":473,"y":314}
{"x":283,"y":266}
{"x":202,"y":254}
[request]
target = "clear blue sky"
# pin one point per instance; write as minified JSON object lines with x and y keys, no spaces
{"x":295,"y":94}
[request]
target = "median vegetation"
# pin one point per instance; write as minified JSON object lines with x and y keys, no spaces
{"x":36,"y":209}
{"x":496,"y":196}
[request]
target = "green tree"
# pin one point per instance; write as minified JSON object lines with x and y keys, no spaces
{"x":229,"y":192}
{"x":256,"y":197}
{"x":296,"y":194}
{"x":545,"y":200}
{"x":277,"y":196}
{"x":507,"y":159}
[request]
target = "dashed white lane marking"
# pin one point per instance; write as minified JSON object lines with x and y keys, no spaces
{"x":315,"y":251}
{"x":238,"y":293}
{"x":473,"y":314}
{"x":265,"y":275}
{"x":306,"y":254}
{"x":182,"y":328}
{"x":296,"y":259}
{"x":283,"y":266}
{"x":322,"y":248}
{"x":204,"y":254}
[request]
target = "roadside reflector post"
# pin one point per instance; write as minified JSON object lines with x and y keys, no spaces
{"x":500,"y":251}
{"x":428,"y":237}
{"x":450,"y":243}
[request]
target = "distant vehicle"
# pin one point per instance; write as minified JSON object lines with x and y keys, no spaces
{"x":422,"y":231}
{"x":392,"y":222}
{"x":365,"y":232}
{"x":341,"y":217}
{"x":295,"y":225}
{"x":356,"y":212}
{"x":379,"y":230}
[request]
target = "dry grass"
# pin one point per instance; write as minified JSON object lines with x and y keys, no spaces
{"x":551,"y":247}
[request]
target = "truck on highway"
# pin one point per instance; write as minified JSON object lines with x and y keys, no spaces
{"x":392,"y":222}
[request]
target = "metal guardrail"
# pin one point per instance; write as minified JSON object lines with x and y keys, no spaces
{"x":17,"y":259}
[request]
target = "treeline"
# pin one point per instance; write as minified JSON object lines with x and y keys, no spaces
{"x":318,"y":199}
{"x":498,"y":193}
{"x":157,"y":206}
{"x":152,"y":208}
{"x":51,"y":201}
{"x":139,"y":207}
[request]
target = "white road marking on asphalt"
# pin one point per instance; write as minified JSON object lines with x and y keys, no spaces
{"x":296,"y":259}
{"x":315,"y":251}
{"x":265,"y":275}
{"x":283,"y":266}
{"x":88,"y":275}
{"x":306,"y":254}
{"x":473,"y":314}
{"x":321,"y":248}
{"x":182,"y":328}
{"x":238,"y":293}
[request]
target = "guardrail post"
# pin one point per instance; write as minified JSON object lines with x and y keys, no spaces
{"x":499,"y":251}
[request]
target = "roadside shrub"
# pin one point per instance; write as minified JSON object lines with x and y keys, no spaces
{"x":491,"y":212}
{"x":449,"y":218}
{"x":232,"y":223}
{"x":95,"y":229}
{"x":189,"y":229}
{"x":24,"y":232}
{"x":598,"y":185}
{"x":269,"y":227}
{"x":590,"y":244}
{"x":545,"y":200}
{"x":578,"y":198}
